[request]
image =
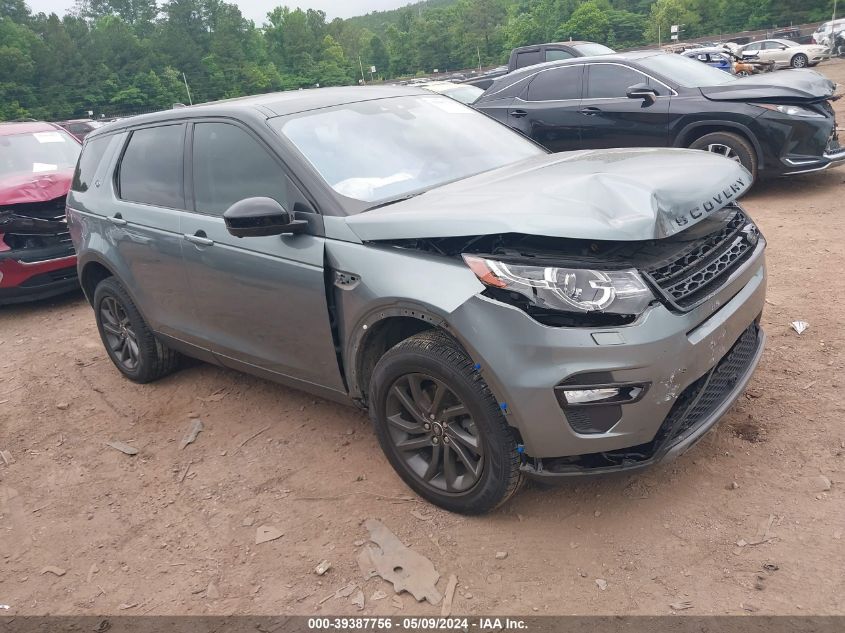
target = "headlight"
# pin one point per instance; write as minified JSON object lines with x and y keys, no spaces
{"x":793,"y":110}
{"x":566,"y":289}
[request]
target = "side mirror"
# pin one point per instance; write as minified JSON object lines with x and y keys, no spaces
{"x":644,"y":92}
{"x":258,"y":217}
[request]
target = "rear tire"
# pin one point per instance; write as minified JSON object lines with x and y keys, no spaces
{"x":131,"y":345}
{"x":466,"y":461}
{"x":731,"y":146}
{"x":799,"y":61}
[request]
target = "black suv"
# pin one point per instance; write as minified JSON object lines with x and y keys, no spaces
{"x":774,"y":124}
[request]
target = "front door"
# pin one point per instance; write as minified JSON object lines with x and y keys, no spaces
{"x":260,"y":301}
{"x":610,"y":119}
{"x":547,"y":109}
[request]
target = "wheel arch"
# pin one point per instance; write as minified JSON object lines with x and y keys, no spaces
{"x":91,"y":273}
{"x":694,"y":131}
{"x":95,"y":269}
{"x":379,"y":331}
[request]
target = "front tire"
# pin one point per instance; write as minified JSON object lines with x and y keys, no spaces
{"x":440,"y":426}
{"x":130,"y":343}
{"x":799,"y":61}
{"x":731,"y":146}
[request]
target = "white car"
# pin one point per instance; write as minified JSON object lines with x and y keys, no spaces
{"x":823,"y":34}
{"x":786,"y":53}
{"x":464,"y":93}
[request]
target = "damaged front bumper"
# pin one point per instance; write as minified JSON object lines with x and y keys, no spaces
{"x":37,"y":259}
{"x":692,"y":366}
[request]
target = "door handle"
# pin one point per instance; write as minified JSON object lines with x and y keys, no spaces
{"x":518,"y":113}
{"x":199,"y":238}
{"x":590,"y":111}
{"x":117,"y":219}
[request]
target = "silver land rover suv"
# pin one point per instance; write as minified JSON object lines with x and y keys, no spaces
{"x":501,"y":311}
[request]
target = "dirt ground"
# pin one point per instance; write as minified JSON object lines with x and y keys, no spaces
{"x":172,"y":531}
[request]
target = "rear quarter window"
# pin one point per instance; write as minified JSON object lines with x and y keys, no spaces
{"x":89,"y":161}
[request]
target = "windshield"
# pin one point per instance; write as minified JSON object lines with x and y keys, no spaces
{"x":685,"y":71}
{"x":588,"y":50}
{"x":378,"y":150}
{"x":37,"y":152}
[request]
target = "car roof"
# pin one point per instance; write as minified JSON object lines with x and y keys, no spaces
{"x":25,"y":127}
{"x":270,"y":105}
{"x":707,"y":49}
{"x":572,"y":43}
{"x":626,"y":56}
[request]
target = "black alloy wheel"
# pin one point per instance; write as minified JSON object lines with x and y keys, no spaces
{"x":440,"y":426}
{"x":120,"y":337}
{"x":434,"y":433}
{"x":129,"y":341}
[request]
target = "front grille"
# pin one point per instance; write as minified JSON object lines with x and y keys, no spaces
{"x":698,"y":273}
{"x":701,"y":399}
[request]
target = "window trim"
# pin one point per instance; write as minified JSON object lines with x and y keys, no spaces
{"x":119,"y":164}
{"x":191,"y":205}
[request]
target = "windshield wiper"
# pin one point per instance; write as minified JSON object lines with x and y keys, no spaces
{"x":394,"y":201}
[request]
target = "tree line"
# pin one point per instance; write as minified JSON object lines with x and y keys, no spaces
{"x":118,"y":57}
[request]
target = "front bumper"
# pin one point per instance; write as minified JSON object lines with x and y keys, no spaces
{"x":29,"y":275}
{"x":523,"y":360}
{"x":830,"y":158}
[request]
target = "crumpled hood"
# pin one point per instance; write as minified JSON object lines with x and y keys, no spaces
{"x":788,"y":85}
{"x":616,"y":194}
{"x":25,"y":188}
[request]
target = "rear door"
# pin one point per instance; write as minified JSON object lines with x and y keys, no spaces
{"x":260,"y":301}
{"x":144,"y":233}
{"x":547,"y":109}
{"x":608,"y":118}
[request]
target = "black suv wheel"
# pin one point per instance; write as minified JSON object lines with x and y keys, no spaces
{"x":731,"y":146}
{"x":440,"y":426}
{"x":130,"y":343}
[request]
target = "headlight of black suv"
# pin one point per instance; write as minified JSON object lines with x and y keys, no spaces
{"x":580,"y":290}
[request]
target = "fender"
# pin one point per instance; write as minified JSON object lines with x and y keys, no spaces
{"x":681,"y":138}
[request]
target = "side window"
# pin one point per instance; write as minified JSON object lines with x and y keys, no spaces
{"x":751,"y":48}
{"x":151,"y":168}
{"x":553,"y":55}
{"x":556,"y":84}
{"x":89,"y":160}
{"x":528,"y":58}
{"x":612,"y":81}
{"x":771,"y":46}
{"x":230,"y":165}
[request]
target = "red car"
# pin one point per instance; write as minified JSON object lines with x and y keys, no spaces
{"x":37,"y":259}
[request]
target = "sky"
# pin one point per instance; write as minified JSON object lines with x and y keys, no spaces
{"x":257,"y":9}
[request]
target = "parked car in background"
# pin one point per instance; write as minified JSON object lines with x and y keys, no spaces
{"x":785,"y":53}
{"x":774,"y":124}
{"x":540,"y":53}
{"x":460,"y":92}
{"x":80,"y":128}
{"x":828,"y":31}
{"x":789,"y":33}
{"x":713,"y":57}
{"x":502,"y":312}
{"x":725,"y":59}
{"x":36,"y":255}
